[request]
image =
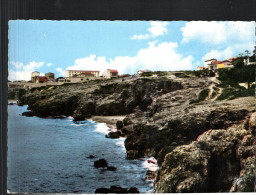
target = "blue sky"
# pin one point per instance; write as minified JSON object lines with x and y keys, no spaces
{"x":128,"y":46}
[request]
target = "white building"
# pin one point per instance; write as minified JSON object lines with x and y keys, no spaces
{"x":142,"y":71}
{"x":34,"y":75}
{"x":109,"y":73}
{"x":82,"y":73}
{"x":247,"y":62}
{"x":209,"y":64}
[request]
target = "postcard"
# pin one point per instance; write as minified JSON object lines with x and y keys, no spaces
{"x":131,"y":106}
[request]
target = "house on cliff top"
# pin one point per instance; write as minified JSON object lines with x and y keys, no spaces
{"x":109,"y":73}
{"x":213,"y":64}
{"x":82,"y":73}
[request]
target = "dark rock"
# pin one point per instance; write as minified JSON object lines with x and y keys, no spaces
{"x":127,"y":129}
{"x":119,"y":124}
{"x":83,"y":111}
{"x":91,"y":157}
{"x":28,"y":113}
{"x":79,"y":117}
{"x":11,"y":104}
{"x":111,"y":168}
{"x":102,"y":163}
{"x":114,"y":134}
{"x":102,"y":191}
{"x":118,"y":190}
{"x":145,"y":103}
{"x":133,"y":190}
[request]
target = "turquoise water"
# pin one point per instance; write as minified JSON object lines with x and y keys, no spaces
{"x":50,"y":156}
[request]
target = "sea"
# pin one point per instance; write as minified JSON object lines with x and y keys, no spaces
{"x":50,"y":155}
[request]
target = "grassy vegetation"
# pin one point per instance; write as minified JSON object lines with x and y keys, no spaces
{"x":201,"y":97}
{"x":230,"y":79}
{"x":232,"y":93}
{"x":200,"y":73}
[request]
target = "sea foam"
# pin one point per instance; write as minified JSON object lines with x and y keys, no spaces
{"x":150,"y":164}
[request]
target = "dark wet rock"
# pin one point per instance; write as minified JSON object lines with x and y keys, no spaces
{"x":91,"y":157}
{"x":133,"y":190}
{"x":102,"y":191}
{"x":28,"y":113}
{"x":114,"y":134}
{"x":118,"y":190}
{"x":11,"y":104}
{"x":79,"y":117}
{"x":101,"y":163}
{"x":119,"y":124}
{"x":111,"y":168}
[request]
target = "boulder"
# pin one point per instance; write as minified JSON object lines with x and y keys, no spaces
{"x":133,"y":190}
{"x":102,"y":191}
{"x":91,"y":157}
{"x":101,"y":163}
{"x":114,"y":134}
{"x":28,"y":113}
{"x":111,"y":168}
{"x":119,"y":124}
{"x":118,"y":190}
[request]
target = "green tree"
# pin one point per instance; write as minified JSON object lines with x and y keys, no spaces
{"x":247,"y":53}
{"x":238,"y":63}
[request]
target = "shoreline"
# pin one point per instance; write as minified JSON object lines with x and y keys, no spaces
{"x":109,"y":120}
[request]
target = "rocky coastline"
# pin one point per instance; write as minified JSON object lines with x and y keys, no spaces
{"x":204,"y":145}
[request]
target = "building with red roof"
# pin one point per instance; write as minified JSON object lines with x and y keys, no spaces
{"x":82,"y":73}
{"x":201,"y":68}
{"x":41,"y":79}
{"x":110,"y":73}
{"x":213,"y":64}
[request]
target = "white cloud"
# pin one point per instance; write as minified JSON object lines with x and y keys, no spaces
{"x":226,"y":39}
{"x":49,"y":64}
{"x":162,"y":56}
{"x":216,"y":33}
{"x":219,"y":54}
{"x":61,"y":72}
{"x":229,"y":51}
{"x":17,"y":65}
{"x":157,"y":29}
{"x":19,"y":71}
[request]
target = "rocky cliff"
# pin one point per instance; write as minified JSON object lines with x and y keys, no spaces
{"x":201,"y":144}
